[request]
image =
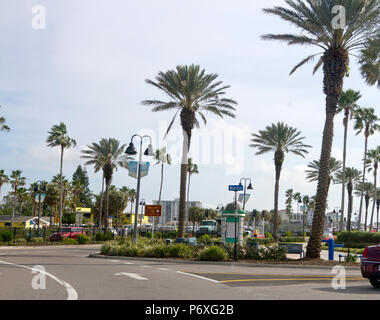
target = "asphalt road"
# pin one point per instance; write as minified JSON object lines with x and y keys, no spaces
{"x":68,"y":273}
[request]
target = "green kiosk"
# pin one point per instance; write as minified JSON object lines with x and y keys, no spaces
{"x":228,"y":224}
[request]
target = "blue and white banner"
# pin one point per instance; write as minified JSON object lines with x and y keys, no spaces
{"x":133,"y":168}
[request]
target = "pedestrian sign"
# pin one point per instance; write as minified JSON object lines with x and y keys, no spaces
{"x":235,"y":188}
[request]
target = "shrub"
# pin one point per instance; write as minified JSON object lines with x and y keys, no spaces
{"x":268,"y":235}
{"x":37,"y":240}
{"x":82,"y":239}
{"x":291,"y":239}
{"x":266,"y":241}
{"x":288,"y":234}
{"x":105,"y":249}
{"x":179,"y":250}
{"x":358,"y":237}
{"x":272,"y":253}
{"x":104,"y":236}
{"x":6,"y":235}
{"x":241,"y":251}
{"x":205,"y":239}
{"x":213,"y":253}
{"x":69,"y":241}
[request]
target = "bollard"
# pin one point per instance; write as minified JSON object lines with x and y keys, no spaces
{"x":332,"y":245}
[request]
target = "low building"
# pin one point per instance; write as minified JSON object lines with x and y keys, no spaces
{"x":24,"y":222}
{"x":170,"y":209}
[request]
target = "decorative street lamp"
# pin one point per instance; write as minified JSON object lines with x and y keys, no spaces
{"x":245,"y":188}
{"x":39,"y":189}
{"x":131,"y":150}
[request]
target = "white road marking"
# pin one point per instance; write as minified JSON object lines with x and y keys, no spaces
{"x":131,"y":275}
{"x":196,"y":276}
{"x":128,"y":263}
{"x":145,"y":266}
{"x":115,"y":261}
{"x":164,"y":269}
{"x":71,"y":292}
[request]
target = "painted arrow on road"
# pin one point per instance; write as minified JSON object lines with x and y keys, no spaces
{"x":131,"y":275}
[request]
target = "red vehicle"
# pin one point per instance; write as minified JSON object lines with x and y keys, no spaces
{"x":371,"y":265}
{"x":69,"y":232}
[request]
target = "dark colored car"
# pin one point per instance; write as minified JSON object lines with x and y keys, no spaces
{"x":68,"y":232}
{"x":371,"y":265}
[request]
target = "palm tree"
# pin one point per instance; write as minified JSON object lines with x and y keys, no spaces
{"x":52,"y":199}
{"x":306,"y":202}
{"x":192,"y":168}
{"x":348,"y":104}
{"x":319,"y":27}
{"x":313,"y":172}
{"x":58,"y":137}
{"x":3,"y":126}
{"x":377,"y":208}
{"x":373,"y":160}
{"x":107,"y":155}
{"x":352,"y":177}
{"x":16,"y":181}
{"x":132,"y":197}
{"x":280,"y":139}
{"x":22,"y":197}
{"x":76,"y":189}
{"x":367,"y":190}
{"x":191,"y":92}
{"x":289,"y":198}
{"x":298,"y":199}
{"x":3,"y":179}
{"x":162,"y":157}
{"x":367,"y":122}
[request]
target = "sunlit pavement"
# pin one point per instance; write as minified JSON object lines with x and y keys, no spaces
{"x":71,"y":274}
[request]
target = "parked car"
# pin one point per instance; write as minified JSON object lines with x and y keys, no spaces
{"x":67,"y":232}
{"x":370,"y":265}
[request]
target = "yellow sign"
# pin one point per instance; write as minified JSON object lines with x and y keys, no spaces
{"x":83,"y":210}
{"x":56,"y":219}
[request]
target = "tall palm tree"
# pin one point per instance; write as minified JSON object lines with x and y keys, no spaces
{"x":367,"y":190}
{"x":3,"y":126}
{"x":162,"y":157}
{"x":347,"y":103}
{"x":352,"y":177}
{"x":319,"y":27}
{"x":191,"y":92}
{"x":58,"y":137}
{"x":373,"y":160}
{"x":132,"y":197}
{"x":298,"y":199}
{"x":16,"y":181}
{"x":313,"y":172}
{"x":280,"y":139}
{"x":76,"y":188}
{"x":107,"y":155}
{"x":22,"y":197}
{"x":289,"y":199}
{"x":52,"y":199}
{"x":377,"y":208}
{"x":366,"y":121}
{"x":3,"y":179}
{"x":192,"y":168}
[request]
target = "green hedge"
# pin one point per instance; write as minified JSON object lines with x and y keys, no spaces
{"x":6,"y":235}
{"x":291,"y":239}
{"x":356,"y":238}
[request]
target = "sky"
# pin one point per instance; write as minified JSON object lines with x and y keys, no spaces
{"x":87,"y":68}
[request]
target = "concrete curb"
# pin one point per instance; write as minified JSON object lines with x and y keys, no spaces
{"x":79,"y":246}
{"x":249,"y":265}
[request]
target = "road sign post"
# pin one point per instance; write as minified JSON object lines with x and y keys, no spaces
{"x":235,"y":188}
{"x":153,"y":211}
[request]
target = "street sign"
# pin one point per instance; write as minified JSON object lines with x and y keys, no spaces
{"x":235,"y":188}
{"x":153,"y":211}
{"x":133,"y":168}
{"x":241,"y":197}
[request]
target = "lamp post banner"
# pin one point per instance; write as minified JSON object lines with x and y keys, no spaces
{"x":241,"y":197}
{"x":133,"y":168}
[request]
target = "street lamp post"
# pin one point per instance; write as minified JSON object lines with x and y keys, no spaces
{"x":132,"y":151}
{"x":39,"y":188}
{"x":245,"y":188}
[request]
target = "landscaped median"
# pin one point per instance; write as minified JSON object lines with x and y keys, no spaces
{"x":266,"y":254}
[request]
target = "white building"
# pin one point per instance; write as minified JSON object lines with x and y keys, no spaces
{"x":170,"y":209}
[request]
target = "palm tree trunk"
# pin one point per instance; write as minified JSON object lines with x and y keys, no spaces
{"x":363,"y":180}
{"x":159,"y":195}
{"x":345,"y":122}
{"x":187,"y":203}
{"x":314,"y":244}
{"x":60,"y":189}
{"x":108,"y":182}
{"x":101,"y":204}
{"x":14,"y":207}
{"x":51,"y":217}
{"x":366,"y":212}
{"x":183,"y":183}
{"x":278,"y":160}
{"x":374,"y":197}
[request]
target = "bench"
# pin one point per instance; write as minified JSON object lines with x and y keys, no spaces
{"x":293,"y":248}
{"x":253,"y":245}
{"x":345,"y":257}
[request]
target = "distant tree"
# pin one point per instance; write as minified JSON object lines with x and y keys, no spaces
{"x":16,"y":181}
